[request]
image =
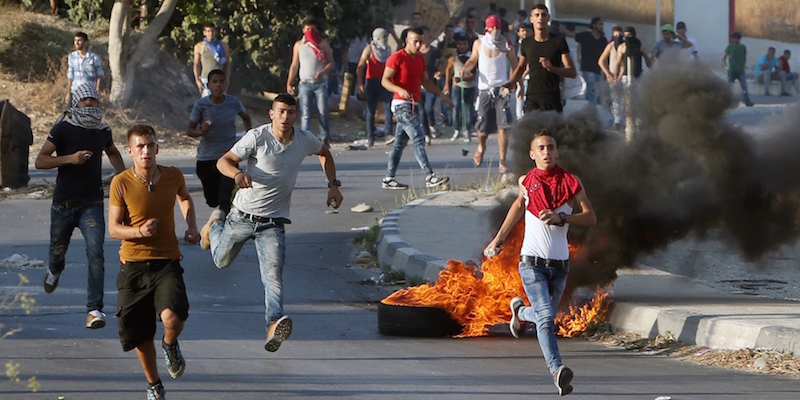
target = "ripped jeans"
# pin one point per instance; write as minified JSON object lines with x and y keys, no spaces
{"x":90,"y":220}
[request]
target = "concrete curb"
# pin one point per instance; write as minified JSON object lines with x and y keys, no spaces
{"x":716,"y":332}
{"x":394,"y":253}
{"x":730,"y":330}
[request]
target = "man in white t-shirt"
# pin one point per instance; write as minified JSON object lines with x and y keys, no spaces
{"x":680,"y":33}
{"x":260,"y":209}
{"x":550,"y":199}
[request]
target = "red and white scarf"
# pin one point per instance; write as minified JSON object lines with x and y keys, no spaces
{"x":549,"y":189}
{"x":313,"y":40}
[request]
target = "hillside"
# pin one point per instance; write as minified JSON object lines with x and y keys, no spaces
{"x":33,"y":58}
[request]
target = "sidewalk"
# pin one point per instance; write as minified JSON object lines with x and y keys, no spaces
{"x":420,"y":236}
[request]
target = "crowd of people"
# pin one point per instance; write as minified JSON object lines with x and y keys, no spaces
{"x":475,"y":82}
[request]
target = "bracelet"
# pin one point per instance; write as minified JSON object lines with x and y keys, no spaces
{"x":237,"y":174}
{"x":139,"y":228}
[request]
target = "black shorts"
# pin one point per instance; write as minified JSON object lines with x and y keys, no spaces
{"x":493,"y":112}
{"x":543,"y":102}
{"x":144,"y":289}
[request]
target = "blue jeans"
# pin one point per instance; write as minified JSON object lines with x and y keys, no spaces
{"x":591,"y":79}
{"x":308,"y":92}
{"x":733,"y":76}
{"x":227,"y":238}
{"x":430,"y":104}
{"x":375,"y":92}
{"x":544,"y":288}
{"x":463,"y":109}
{"x":408,"y":126}
{"x":90,"y":220}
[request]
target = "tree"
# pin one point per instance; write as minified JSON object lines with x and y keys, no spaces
{"x":126,"y":51}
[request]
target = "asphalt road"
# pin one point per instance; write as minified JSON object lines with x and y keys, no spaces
{"x":335,"y":350}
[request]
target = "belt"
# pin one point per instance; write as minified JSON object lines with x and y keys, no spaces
{"x":76,"y":203}
{"x":544,"y":262}
{"x":154,"y":264}
{"x":263,"y":220}
{"x":311,"y":81}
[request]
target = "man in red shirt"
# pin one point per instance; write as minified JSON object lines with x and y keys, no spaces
{"x":404,"y":72}
{"x":783,"y":65}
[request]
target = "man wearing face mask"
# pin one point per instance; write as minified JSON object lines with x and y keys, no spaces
{"x":79,"y":138}
{"x":461,"y":89}
{"x":494,"y":56}
{"x":373,"y":61}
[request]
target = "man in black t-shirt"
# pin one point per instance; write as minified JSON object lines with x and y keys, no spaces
{"x":591,"y":44}
{"x":79,"y":141}
{"x":548,"y":58}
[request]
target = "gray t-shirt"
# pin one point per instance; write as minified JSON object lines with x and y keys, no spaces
{"x":662,"y":47}
{"x":273,"y":168}
{"x":222,"y":135}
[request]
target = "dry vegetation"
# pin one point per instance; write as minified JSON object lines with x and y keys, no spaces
{"x":762,"y":361}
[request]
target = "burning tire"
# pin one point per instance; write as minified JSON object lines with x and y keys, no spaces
{"x":398,"y":320}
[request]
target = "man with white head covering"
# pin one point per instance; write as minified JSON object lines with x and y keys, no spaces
{"x":494,"y":56}
{"x":373,"y":60}
{"x":78,"y":140}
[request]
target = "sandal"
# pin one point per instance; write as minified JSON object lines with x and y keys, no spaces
{"x":477,"y":159}
{"x":503,"y":169}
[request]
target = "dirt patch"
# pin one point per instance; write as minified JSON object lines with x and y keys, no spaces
{"x":760,"y":361}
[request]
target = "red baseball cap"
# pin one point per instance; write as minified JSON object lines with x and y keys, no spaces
{"x":492,"y":21}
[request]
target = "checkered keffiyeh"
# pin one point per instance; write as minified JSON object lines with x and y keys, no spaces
{"x":84,"y":117}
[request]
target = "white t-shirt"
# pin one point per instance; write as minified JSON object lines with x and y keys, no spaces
{"x":545,"y":241}
{"x":273,"y":168}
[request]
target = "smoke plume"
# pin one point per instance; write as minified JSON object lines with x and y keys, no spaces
{"x":685,"y":171}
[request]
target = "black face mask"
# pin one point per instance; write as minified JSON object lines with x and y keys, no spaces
{"x":618,"y":40}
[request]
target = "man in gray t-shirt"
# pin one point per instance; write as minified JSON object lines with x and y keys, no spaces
{"x":273,"y":153}
{"x":213,"y":120}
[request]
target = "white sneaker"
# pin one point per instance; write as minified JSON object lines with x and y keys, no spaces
{"x":433,"y":181}
{"x":95,"y":319}
{"x":456,"y":134}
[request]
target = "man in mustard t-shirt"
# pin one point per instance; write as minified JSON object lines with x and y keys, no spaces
{"x":150,"y":281}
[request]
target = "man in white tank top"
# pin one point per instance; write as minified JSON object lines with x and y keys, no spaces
{"x":547,"y":197}
{"x":494,"y":56}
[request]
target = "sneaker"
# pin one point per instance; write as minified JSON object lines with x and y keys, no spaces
{"x":50,"y":281}
{"x":427,"y":139}
{"x":371,"y":141}
{"x":456,"y":134}
{"x":205,"y":239}
{"x":393,"y":184}
{"x":174,"y":359}
{"x":515,"y":325}
{"x":95,"y":319}
{"x":156,"y":392}
{"x":279,"y":330}
{"x":748,"y":103}
{"x":433,"y":181}
{"x":562,"y":378}
{"x":434,"y":132}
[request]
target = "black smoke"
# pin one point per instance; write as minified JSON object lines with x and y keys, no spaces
{"x":686,"y":171}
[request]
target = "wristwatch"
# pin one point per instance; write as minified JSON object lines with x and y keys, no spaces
{"x":563,"y":217}
{"x":334,"y":182}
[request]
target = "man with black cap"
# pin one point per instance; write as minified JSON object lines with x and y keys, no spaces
{"x":737,"y":53}
{"x":591,"y":44}
{"x":78,"y":140}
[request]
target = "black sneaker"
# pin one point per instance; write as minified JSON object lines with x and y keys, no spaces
{"x":514,"y":325}
{"x":279,"y":330}
{"x":433,"y":181}
{"x":562,"y":379}
{"x":156,"y":392}
{"x":748,"y":103}
{"x":391,"y":183}
{"x":50,"y":281}
{"x":174,"y":359}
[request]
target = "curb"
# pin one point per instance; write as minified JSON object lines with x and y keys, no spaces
{"x":708,"y":330}
{"x":394,"y":253}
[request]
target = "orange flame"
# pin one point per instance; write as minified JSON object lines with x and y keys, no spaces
{"x":478,"y":303}
{"x":578,"y":319}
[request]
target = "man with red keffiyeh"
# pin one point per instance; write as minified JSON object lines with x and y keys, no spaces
{"x":312,"y":58}
{"x":548,"y":195}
